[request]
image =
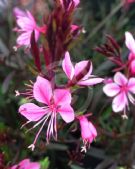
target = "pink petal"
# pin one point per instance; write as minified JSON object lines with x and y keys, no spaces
{"x":120,"y":79}
{"x":131,"y":85}
{"x":119,"y":102}
{"x":24,"y":39}
{"x":14,"y":167}
{"x":131,"y":56}
{"x":76,"y":2}
{"x":132,"y":67}
{"x":67,"y":113}
{"x":88,"y":131}
{"x":111,"y":89}
{"x":30,"y":16}
{"x":74,"y":27}
{"x":42,"y":90}
{"x":88,"y":75}
{"x":33,"y":165}
{"x":81,"y":66}
{"x":93,"y":129}
{"x":62,"y":96}
{"x":26,"y":24}
{"x":90,"y":82}
{"x":19,"y":13}
{"x":32,"y":112}
{"x":24,"y":163}
{"x":84,"y":123}
{"x":68,"y":66}
{"x":130,"y":42}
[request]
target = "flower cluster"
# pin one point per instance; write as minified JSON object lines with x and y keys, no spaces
{"x":49,"y":102}
{"x":54,"y":101}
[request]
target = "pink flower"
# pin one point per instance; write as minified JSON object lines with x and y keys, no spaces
{"x":88,"y":132}
{"x":26,"y":164}
{"x":130,"y":43}
{"x":27,"y":25}
{"x":54,"y":102}
{"x":121,"y":89}
{"x":79,"y":74}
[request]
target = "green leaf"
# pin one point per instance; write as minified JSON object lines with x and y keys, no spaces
{"x":45,"y":163}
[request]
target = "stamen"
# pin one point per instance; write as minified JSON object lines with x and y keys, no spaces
{"x":124,"y":116}
{"x":28,"y":85}
{"x":15,"y":48}
{"x":27,"y":94}
{"x":32,"y":147}
{"x":132,"y":100}
{"x":52,"y":128}
{"x":83,"y":149}
{"x":25,"y":124}
{"x":39,"y":122}
{"x":17,"y":93}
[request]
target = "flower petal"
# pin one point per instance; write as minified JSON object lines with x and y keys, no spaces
{"x":32,"y":112}
{"x":90,"y":82}
{"x":27,"y":164}
{"x":119,"y":102}
{"x":132,"y":67}
{"x":131,"y":85}
{"x":42,"y":90}
{"x":111,"y":89}
{"x":67,"y":113}
{"x":80,"y":68}
{"x":14,"y":167}
{"x":68,"y":66}
{"x":26,"y":23}
{"x":62,"y":96}
{"x":130,"y":42}
{"x":88,"y":131}
{"x":89,"y":72}
{"x":76,"y":2}
{"x":120,"y":79}
{"x":19,"y":13}
{"x":34,"y":165}
{"x":92,"y":129}
{"x":24,"y":162}
{"x":24,"y":39}
{"x":85,"y":131}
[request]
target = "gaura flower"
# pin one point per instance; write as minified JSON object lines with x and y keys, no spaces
{"x":54,"y":102}
{"x":88,"y":132}
{"x":121,"y":89}
{"x":130,"y":43}
{"x":27,"y":25}
{"x":78,"y":74}
{"x":26,"y":164}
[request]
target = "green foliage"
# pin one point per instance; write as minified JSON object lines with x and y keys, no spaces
{"x":45,"y":163}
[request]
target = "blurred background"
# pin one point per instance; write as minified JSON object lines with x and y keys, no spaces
{"x":114,"y":147}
